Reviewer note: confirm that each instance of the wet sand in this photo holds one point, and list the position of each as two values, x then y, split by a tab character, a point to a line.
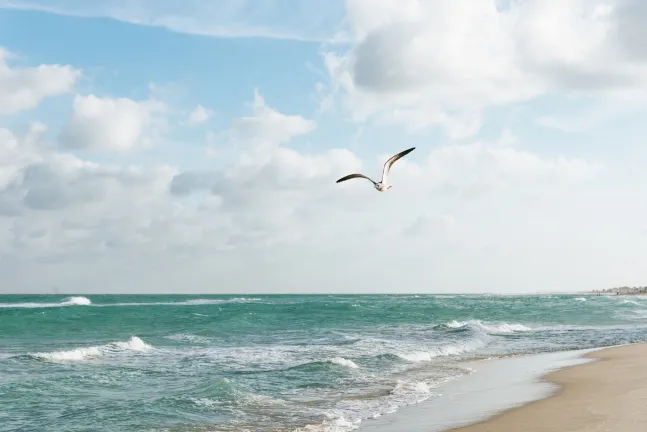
609	394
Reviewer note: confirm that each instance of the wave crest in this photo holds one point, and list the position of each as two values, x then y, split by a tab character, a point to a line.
340	361
442	351
84	301
76	300
87	353
70	301
502	327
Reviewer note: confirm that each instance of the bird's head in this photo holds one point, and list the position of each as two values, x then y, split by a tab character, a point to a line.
389	187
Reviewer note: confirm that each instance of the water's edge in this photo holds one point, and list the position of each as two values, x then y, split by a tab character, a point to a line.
292	363
494	386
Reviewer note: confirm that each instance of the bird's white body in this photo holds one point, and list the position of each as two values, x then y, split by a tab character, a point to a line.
382	185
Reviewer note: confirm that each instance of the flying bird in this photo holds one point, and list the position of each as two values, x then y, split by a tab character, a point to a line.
382	185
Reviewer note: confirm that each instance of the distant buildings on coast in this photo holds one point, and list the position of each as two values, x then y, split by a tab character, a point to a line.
625	290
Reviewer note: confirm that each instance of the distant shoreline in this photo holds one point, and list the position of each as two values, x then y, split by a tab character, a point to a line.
618	294
641	291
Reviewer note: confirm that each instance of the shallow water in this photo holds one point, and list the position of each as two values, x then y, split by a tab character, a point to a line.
267	363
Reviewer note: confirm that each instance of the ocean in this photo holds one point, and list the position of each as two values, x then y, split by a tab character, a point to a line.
326	363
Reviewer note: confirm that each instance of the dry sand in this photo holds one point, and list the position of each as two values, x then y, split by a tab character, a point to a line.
606	395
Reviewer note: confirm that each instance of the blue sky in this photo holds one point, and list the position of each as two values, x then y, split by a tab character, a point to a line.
526	140
122	59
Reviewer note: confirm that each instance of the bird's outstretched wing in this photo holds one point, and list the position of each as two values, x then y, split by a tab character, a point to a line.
391	161
352	176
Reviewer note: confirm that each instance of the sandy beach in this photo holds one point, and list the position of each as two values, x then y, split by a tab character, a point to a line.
604	395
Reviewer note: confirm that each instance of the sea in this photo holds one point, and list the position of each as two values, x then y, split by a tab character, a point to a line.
317	363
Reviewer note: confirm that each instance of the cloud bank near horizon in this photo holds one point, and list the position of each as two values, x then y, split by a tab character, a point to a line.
527	174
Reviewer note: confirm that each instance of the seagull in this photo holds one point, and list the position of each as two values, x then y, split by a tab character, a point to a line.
381	186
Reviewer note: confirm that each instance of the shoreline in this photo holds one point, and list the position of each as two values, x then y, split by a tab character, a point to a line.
494	386
603	394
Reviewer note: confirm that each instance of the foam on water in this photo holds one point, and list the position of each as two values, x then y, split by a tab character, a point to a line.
339	424
87	353
344	362
70	301
77	301
443	351
633	302
489	327
84	301
308	363
407	387
194	302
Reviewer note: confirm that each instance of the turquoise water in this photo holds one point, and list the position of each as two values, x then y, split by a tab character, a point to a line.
269	363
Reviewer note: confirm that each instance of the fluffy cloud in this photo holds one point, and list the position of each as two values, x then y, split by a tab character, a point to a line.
442	63
284	197
59	205
134	226
200	115
265	214
25	88
108	123
266	128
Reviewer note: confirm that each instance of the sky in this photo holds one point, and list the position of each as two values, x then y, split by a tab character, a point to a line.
147	147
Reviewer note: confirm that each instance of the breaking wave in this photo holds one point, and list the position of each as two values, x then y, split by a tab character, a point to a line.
502	327
340	361
633	302
70	301
87	353
195	302
84	301
443	351
242	364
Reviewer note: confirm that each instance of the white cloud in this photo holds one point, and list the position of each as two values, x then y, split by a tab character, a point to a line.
60	206
22	89
442	63
266	128
200	115
266	215
64	218
315	20
108	123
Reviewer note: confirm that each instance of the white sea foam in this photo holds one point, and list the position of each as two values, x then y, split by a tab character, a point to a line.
340	361
408	387
87	353
349	415
630	302
442	351
339	424
70	301
77	300
194	302
502	327
581	299
84	301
